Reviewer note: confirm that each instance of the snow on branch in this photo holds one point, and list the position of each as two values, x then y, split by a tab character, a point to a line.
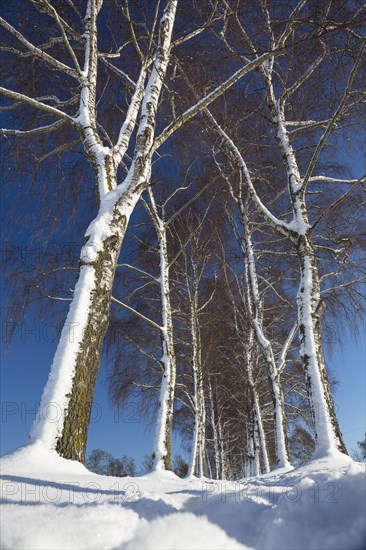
130	121
306	123
34	131
281	363
338	201
279	225
338	180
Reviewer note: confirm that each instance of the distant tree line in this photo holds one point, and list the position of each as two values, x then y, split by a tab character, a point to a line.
105	464
360	453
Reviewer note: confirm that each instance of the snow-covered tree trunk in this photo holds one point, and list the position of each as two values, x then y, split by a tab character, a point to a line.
256	463
75	367
223	462
310	315
197	459
162	447
253	469
249	345
260	436
309	303
255	308
163	437
261	432
194	444
201	462
214	428
256	317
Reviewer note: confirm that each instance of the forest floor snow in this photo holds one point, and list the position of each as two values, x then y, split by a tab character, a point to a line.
52	503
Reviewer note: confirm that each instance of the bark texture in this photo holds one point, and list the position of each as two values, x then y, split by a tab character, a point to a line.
72	441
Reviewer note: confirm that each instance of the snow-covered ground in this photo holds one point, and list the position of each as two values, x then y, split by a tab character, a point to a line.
49	502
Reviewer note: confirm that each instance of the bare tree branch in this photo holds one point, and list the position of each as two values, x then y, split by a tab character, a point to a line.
38	105
137	313
39	53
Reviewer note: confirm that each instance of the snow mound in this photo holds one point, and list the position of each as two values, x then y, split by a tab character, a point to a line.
182	531
318	506
36	458
49	502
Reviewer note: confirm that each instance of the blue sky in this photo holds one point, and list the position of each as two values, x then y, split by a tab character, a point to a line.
349	366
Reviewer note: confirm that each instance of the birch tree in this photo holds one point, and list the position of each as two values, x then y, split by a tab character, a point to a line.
256	437
163	439
162	452
195	256
254	304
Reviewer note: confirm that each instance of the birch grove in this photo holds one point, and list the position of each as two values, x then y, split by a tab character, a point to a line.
228	124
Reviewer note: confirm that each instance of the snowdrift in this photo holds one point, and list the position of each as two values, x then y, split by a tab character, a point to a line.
49	502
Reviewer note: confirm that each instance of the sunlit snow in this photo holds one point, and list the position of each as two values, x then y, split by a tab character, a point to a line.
50	502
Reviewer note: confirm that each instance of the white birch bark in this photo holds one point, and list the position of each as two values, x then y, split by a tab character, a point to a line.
309	303
163	438
261	433
255	310
197	459
162	447
222	450
260	436
214	428
162	451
